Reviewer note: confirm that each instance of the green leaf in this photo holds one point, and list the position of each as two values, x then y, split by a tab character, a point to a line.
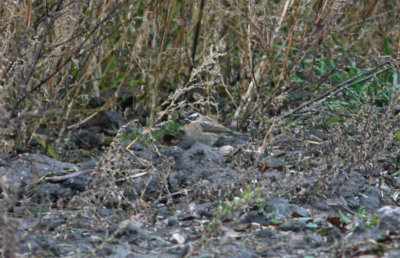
312	226
73	71
49	149
304	219
344	218
386	45
296	78
395	84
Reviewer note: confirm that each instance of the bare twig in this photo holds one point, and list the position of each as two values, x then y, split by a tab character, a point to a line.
281	121
340	87
181	192
69	59
55	179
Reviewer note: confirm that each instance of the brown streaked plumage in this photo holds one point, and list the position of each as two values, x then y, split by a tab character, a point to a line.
205	129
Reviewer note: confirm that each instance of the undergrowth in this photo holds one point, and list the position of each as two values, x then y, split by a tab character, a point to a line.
277	68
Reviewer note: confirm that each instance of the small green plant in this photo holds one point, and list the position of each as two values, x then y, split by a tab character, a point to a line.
250	199
312	226
132	135
260	203
370	221
272	216
49	148
397	140
172	128
344	218
373	223
362	213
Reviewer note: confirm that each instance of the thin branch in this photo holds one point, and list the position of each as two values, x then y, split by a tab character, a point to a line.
74	52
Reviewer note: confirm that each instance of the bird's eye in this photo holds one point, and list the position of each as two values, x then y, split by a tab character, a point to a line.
193	117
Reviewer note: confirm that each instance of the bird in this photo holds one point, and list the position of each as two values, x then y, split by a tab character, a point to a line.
206	130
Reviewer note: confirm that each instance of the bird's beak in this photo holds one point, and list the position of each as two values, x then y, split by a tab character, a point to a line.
186	121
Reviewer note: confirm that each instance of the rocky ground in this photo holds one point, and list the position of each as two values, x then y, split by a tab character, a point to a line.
305	196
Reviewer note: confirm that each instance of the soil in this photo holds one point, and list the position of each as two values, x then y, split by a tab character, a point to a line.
301	197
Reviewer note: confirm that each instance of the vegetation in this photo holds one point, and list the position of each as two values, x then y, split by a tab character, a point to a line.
241	58
280	68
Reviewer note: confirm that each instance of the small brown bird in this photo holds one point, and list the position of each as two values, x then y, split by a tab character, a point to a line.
205	129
